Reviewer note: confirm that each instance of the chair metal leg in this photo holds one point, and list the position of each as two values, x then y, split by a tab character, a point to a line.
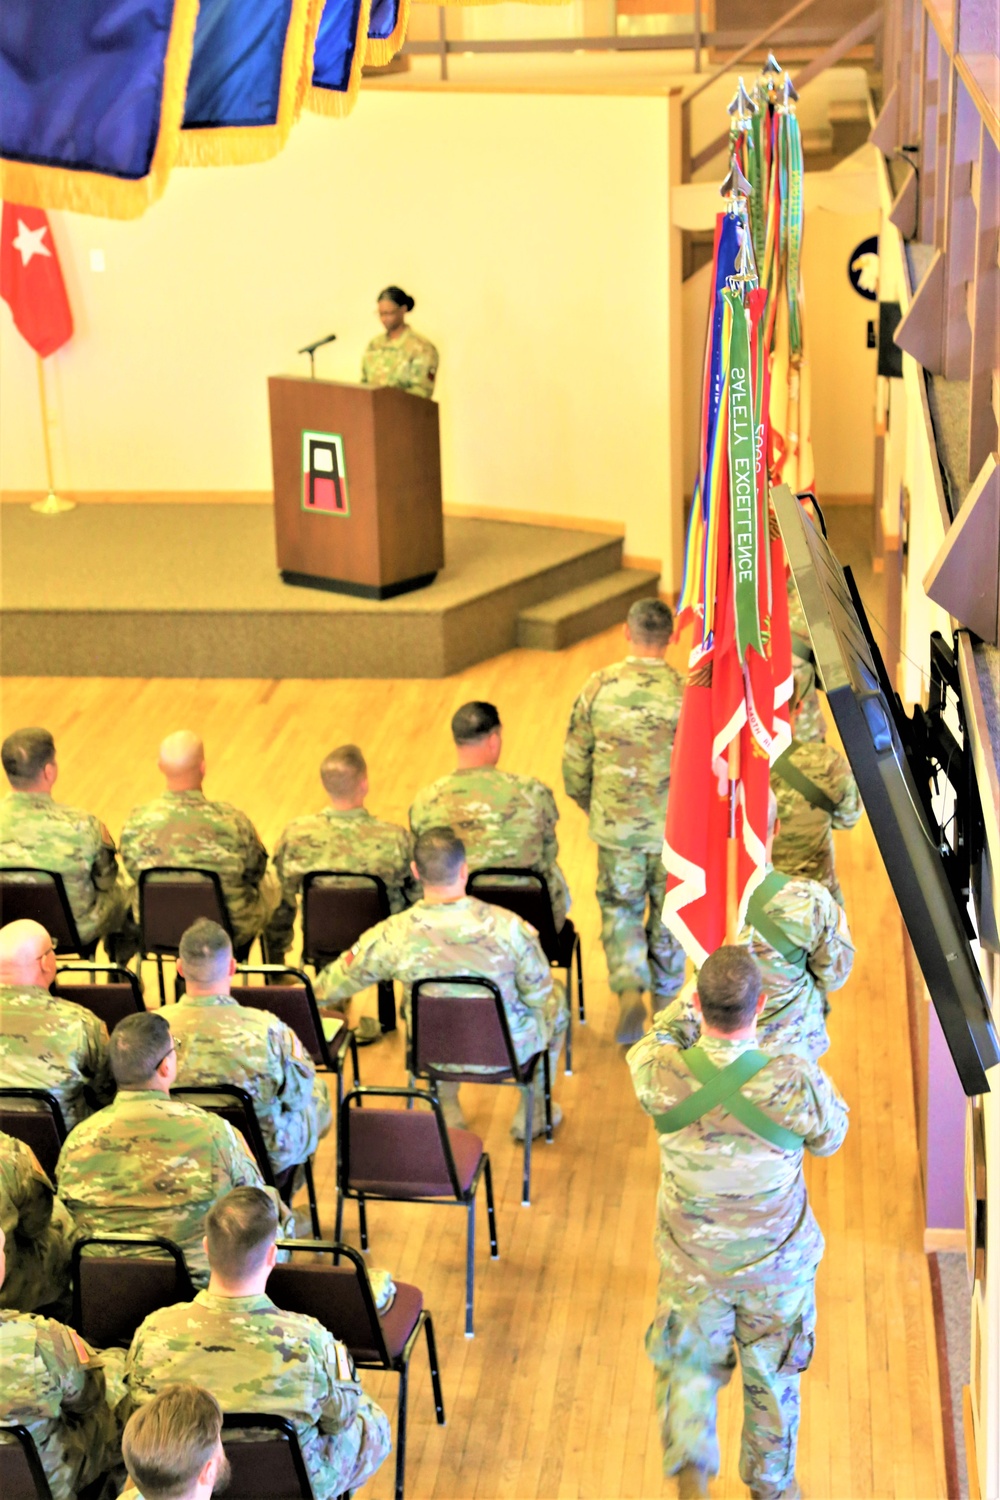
353	1049
490	1210
529	1120
579	982
432	1360
362	1223
404	1382
159	976
470	1265
338	1224
568	1062
313	1205
387	1005
547	1096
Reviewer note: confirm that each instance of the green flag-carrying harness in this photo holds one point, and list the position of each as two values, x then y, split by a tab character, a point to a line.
786	769
743	510
769	930
721	1086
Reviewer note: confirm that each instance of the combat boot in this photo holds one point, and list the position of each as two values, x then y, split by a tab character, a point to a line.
631	1017
692	1482
791	1491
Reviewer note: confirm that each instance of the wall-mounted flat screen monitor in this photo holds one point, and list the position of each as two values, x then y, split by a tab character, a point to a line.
885	760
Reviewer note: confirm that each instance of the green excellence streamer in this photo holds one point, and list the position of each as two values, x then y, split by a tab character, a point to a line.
743	481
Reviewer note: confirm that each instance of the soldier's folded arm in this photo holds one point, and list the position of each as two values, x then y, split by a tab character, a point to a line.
97	1062
831	951
849	808
578	753
533	976
364	964
340	1406
297	1072
75	1366
255	855
828	1126
35	1197
104	870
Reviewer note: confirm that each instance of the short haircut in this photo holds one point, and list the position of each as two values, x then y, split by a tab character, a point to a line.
205	951
438	854
474	721
25	755
138	1044
651	620
729	985
240	1228
342	771
168	1442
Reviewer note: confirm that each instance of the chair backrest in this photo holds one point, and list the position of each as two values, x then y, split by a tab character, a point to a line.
21	1474
118	997
40	895
38	1122
269	1470
339	1296
235	1105
465	1026
112	1294
335	915
529	899
295	1004
171	897
395	1153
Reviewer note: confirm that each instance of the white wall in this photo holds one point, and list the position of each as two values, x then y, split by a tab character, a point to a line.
533	231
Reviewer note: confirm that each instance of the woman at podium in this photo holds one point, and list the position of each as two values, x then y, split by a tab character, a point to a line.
399	356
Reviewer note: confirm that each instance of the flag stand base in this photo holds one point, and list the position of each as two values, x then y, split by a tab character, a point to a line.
52	505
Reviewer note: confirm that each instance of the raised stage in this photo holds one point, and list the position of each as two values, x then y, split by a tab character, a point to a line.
150	590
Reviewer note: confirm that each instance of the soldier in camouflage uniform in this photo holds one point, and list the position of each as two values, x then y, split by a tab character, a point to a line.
36	830
47	1043
149	1164
501	817
37	1228
172	1446
811	725
449	932
221	1041
737	1241
816	793
53	1384
254	1357
399	356
616	766
800	939
183	827
344	836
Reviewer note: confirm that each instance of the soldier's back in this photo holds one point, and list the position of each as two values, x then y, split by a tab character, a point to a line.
52	1044
808	813
354	840
36	831
501	817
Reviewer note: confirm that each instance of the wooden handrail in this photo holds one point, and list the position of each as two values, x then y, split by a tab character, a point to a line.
752	46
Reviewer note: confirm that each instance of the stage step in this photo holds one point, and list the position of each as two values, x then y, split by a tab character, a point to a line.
568	618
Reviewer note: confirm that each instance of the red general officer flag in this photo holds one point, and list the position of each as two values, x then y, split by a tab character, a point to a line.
31	280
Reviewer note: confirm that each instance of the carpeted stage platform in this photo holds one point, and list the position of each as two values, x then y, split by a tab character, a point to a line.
192	591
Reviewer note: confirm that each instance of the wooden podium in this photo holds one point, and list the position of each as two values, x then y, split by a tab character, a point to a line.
357	487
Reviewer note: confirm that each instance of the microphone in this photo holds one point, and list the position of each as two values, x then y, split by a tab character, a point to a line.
310	348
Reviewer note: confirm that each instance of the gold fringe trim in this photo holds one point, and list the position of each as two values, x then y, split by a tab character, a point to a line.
235	145
334	102
115	197
450	3
382	49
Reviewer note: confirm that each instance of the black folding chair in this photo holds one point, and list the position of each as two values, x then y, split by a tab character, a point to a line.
171	897
42	1127
270	1470
335	915
530	900
410	1156
470	1031
40	896
118	997
235	1105
112	1294
295	1004
340	1297
21	1474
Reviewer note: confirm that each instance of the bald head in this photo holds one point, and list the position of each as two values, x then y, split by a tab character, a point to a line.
26	955
182	761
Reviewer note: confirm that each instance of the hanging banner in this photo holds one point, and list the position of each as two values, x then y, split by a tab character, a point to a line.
338	56
386	31
743	506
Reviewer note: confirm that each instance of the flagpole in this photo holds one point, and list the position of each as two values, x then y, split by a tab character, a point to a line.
53	504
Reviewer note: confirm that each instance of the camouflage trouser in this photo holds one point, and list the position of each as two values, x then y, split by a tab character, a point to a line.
641	951
344	1460
690	1342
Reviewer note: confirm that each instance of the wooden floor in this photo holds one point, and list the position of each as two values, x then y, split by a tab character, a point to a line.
553	1397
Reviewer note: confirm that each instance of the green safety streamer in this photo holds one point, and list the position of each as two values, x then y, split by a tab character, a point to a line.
743	510
757	172
792	216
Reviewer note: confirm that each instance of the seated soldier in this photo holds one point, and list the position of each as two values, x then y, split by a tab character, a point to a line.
800	939
816	793
172	1446
220	1041
343	836
183	827
449	932
149	1164
502	818
257	1358
47	1043
36	830
37	1228
53	1384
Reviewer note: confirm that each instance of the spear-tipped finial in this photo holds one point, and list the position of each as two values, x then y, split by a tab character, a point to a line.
790	94
744	277
741	106
772	65
735	184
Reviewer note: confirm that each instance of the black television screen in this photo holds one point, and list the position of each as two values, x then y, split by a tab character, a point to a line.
885	757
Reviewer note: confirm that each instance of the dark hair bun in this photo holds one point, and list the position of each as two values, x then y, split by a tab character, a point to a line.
397	295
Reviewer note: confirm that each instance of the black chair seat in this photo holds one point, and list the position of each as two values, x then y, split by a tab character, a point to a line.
467	1152
398	1322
